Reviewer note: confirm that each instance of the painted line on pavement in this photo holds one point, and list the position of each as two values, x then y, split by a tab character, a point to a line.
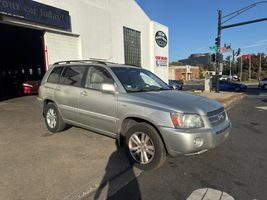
262	107
208	194
263	94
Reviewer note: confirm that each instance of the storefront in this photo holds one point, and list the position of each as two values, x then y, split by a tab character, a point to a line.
35	34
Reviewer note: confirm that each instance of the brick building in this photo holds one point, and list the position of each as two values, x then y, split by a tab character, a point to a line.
186	72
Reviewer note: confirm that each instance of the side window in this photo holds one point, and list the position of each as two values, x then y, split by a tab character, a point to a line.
72	76
54	75
96	77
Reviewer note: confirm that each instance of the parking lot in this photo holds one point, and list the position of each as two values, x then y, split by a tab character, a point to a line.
35	164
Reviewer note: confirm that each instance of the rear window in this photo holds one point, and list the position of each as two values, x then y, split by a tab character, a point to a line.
72	76
54	75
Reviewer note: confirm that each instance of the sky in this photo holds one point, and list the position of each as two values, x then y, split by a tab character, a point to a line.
193	25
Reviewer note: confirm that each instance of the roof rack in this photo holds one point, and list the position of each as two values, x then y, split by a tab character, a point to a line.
81	61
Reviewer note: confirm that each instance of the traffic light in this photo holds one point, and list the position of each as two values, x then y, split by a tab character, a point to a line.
238	52
213	57
217	41
220	57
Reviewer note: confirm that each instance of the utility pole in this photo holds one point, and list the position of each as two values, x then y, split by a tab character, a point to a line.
233	61
218	45
249	69
230	66
241	68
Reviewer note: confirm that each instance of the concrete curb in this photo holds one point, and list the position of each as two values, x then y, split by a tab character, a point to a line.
228	103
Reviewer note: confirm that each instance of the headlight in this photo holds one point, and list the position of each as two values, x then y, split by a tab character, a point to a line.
184	120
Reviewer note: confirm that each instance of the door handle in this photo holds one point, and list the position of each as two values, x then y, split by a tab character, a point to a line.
58	88
84	93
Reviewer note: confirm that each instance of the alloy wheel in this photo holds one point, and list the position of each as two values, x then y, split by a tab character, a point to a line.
51	118
141	148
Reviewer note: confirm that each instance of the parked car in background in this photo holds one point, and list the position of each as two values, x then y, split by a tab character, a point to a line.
263	83
235	78
176	85
30	87
223	77
230	86
134	106
228	78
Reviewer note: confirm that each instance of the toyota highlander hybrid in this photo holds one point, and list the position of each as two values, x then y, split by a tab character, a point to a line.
134	106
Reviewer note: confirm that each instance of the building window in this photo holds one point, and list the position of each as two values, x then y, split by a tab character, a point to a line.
132	46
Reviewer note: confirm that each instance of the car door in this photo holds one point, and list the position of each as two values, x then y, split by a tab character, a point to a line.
223	85
98	109
48	89
68	90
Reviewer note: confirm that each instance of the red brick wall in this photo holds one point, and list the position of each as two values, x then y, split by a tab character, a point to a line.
180	74
195	73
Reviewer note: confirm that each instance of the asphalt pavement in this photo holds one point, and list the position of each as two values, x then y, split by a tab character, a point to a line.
79	164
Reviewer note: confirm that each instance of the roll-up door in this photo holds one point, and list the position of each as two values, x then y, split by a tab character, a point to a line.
59	47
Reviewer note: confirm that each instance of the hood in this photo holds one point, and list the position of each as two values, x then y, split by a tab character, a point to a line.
175	101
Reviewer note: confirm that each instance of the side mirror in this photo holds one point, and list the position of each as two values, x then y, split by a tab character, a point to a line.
107	87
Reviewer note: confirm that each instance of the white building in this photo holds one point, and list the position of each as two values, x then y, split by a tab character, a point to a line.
55	30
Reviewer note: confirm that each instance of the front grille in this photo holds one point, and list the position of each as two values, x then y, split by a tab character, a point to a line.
216	117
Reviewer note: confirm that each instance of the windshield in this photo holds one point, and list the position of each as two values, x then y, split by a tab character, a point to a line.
139	80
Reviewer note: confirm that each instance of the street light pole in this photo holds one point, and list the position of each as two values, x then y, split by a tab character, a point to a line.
218	45
260	67
221	27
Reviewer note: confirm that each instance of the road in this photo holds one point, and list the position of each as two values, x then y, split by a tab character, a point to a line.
237	167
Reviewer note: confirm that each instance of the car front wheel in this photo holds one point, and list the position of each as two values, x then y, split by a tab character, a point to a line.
145	147
53	119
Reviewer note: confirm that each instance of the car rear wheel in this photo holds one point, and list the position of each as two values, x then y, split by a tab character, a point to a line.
53	119
237	89
145	147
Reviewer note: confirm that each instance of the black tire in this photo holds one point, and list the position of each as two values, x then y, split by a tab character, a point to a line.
265	87
154	140
237	89
59	124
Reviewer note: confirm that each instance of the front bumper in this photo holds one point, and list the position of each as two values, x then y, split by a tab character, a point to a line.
193	141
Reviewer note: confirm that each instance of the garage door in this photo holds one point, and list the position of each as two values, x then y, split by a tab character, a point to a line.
60	47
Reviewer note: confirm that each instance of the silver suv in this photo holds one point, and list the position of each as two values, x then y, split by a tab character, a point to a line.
134	106
263	83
